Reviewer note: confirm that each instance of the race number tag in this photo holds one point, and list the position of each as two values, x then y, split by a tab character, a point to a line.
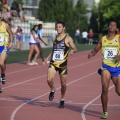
110	53
1	38
58	56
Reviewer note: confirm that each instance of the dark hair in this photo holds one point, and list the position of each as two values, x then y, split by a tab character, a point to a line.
111	21
34	28
39	26
4	20
61	22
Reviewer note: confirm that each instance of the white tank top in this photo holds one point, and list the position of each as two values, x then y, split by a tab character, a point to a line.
32	40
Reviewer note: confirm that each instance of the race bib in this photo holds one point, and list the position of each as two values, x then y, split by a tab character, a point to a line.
110	53
58	56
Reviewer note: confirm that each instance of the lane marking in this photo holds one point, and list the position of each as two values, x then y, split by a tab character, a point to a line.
67	102
20	106
43	65
44	75
89	103
24	82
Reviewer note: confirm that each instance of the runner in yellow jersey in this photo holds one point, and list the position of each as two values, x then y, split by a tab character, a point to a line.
4	27
110	68
58	60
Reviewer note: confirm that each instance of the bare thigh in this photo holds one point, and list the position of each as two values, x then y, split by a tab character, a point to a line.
51	74
116	81
105	79
2	58
32	47
37	49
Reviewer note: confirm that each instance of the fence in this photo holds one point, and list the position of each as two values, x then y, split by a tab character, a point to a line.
48	29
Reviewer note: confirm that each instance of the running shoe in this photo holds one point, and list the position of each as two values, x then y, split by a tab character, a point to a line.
104	115
43	63
0	90
51	95
61	104
48	62
34	63
30	63
3	79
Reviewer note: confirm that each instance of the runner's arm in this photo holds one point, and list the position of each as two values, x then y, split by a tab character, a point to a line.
117	57
42	40
50	55
72	45
96	49
10	36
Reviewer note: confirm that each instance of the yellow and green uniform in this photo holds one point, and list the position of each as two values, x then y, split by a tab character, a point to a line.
110	48
6	42
59	56
2	37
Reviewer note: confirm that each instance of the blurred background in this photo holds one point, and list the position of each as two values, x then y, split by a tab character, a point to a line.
77	14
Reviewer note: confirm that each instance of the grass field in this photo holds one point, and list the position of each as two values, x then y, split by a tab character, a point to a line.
18	56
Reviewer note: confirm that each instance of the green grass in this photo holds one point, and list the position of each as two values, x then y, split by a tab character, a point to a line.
18	56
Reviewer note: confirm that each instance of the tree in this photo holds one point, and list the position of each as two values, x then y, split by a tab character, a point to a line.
108	10
94	20
80	18
55	10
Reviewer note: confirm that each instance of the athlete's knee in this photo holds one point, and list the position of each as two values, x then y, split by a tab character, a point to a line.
2	63
38	52
63	85
49	80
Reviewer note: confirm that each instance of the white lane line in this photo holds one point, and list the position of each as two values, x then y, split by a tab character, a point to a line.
24	82
19	107
22	70
89	103
84	63
67	102
46	75
42	65
39	66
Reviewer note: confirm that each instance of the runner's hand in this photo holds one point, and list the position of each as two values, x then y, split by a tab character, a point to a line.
9	46
70	53
117	57
46	44
90	55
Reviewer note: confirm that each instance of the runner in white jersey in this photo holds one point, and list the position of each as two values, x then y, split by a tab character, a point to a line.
33	46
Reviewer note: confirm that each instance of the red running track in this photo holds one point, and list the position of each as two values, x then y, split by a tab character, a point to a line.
25	95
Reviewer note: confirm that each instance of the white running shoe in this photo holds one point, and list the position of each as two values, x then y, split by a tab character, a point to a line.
43	63
30	63
34	63
48	62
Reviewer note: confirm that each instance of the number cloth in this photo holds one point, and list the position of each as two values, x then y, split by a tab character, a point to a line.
110	48
59	53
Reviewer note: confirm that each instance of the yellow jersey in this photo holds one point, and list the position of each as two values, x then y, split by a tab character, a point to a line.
2	33
6	42
110	48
